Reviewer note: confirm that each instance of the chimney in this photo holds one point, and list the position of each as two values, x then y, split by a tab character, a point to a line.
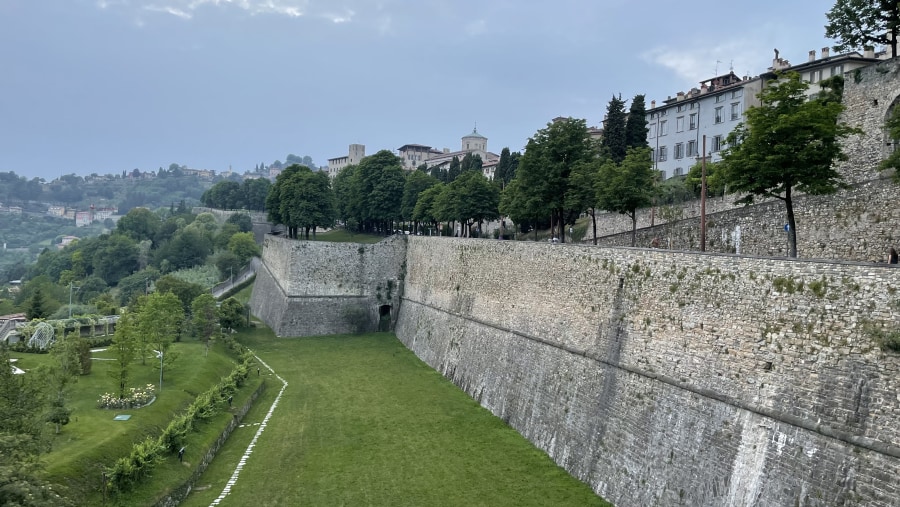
652	104
680	96
825	52
812	55
869	52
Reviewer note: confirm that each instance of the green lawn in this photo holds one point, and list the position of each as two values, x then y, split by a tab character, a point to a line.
365	422
93	440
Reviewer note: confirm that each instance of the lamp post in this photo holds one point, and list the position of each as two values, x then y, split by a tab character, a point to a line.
71	287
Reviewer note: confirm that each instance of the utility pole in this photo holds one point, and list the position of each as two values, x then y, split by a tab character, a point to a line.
703	199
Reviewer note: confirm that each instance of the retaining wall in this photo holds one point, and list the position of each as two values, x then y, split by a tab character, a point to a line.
667	378
309	288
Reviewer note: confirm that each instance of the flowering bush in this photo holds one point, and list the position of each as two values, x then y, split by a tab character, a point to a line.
136	397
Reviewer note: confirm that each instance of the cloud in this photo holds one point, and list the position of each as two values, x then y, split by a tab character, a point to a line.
169	10
703	61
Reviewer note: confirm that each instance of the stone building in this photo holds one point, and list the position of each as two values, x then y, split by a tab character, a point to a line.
355	153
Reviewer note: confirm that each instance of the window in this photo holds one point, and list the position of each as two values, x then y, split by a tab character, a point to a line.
735	111
693	121
695	105
679	171
663	130
663	112
652	154
680	108
720	97
717	144
719	114
692	149
679	151
837	70
652	131
679	124
736	94
662	153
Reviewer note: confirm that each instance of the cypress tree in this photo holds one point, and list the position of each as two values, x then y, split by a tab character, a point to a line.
614	140
636	124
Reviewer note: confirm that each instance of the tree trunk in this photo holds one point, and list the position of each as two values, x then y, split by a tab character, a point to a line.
792	225
594	221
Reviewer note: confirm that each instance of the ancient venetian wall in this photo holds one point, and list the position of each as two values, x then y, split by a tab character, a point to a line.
668	378
309	288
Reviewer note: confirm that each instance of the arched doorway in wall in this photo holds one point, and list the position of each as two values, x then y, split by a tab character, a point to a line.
891	129
384	318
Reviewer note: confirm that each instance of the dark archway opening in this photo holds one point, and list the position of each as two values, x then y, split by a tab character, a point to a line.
384	318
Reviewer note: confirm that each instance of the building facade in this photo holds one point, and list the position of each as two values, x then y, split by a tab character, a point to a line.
355	153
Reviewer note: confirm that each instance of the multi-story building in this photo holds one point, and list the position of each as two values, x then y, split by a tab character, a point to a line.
355	153
474	144
676	129
414	155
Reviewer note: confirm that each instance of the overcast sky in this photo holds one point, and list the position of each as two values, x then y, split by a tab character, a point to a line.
110	85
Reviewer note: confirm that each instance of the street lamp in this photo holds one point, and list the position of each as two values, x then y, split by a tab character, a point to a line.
71	287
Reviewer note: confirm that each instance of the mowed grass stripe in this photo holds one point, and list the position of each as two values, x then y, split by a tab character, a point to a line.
365	422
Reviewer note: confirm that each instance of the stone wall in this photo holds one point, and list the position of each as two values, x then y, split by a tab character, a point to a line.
668	378
309	288
860	224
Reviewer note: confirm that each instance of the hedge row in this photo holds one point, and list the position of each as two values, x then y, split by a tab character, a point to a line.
132	469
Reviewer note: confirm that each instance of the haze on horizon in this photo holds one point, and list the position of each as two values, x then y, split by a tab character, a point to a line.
105	86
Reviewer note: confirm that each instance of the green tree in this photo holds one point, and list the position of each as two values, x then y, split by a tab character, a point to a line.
205	318
244	246
21	475
115	258
469	199
636	124
416	183
788	143
857	24
627	186
308	202
242	220
62	372
423	212
232	314
37	307
544	171
139	224
455	169
615	140
582	192
125	345
159	322
185	291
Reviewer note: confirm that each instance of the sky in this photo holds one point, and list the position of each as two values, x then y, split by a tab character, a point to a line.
102	86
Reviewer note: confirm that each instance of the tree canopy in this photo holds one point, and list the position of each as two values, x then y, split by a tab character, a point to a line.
857	24
788	143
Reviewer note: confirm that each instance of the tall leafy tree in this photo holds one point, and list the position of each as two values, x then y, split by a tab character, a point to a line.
636	124
416	183
856	24
615	141
470	199
424	209
544	171
788	143
160	320
205	318
231	314
582	192
307	201
471	162
627	186
125	346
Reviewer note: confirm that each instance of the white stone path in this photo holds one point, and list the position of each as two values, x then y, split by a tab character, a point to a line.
234	477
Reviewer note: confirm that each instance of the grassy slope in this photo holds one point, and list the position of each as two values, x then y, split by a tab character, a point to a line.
365	422
93	439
